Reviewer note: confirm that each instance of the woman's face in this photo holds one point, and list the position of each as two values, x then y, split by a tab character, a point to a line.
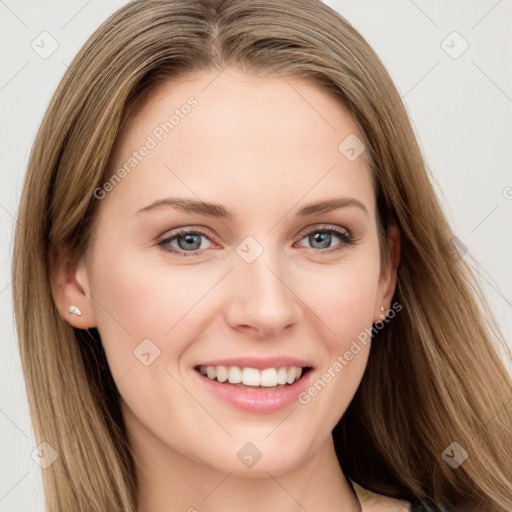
209	251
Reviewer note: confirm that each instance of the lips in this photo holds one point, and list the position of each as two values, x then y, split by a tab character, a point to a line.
255	384
258	363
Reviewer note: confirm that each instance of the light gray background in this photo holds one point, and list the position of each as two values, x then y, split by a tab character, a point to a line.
461	109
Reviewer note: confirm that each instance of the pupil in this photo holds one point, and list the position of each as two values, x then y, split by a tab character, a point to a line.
323	238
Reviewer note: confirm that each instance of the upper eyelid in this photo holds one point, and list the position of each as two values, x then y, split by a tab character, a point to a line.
326	227
172	233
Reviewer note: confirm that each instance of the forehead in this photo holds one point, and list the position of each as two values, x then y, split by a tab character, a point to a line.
246	136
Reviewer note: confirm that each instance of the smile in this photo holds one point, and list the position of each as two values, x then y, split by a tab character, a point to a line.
262	389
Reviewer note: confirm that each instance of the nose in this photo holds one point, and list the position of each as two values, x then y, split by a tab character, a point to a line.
263	302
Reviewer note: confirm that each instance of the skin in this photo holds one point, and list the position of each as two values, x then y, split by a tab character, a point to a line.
263	147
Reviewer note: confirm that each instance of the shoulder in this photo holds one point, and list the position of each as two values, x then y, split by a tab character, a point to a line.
373	502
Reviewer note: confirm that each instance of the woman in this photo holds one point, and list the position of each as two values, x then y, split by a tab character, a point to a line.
237	289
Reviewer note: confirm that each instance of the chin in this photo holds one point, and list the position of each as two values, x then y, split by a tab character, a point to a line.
258	458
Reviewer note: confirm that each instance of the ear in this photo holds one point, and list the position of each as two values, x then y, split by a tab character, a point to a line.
387	278
70	287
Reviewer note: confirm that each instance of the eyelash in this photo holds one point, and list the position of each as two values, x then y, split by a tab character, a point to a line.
345	237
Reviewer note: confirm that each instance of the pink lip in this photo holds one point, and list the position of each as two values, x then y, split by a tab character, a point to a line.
259	363
257	400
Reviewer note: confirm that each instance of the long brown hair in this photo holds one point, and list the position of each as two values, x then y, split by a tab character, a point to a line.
434	374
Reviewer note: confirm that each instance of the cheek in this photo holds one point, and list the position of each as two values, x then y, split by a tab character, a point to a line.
349	302
138	297
148	315
135	300
342	297
344	300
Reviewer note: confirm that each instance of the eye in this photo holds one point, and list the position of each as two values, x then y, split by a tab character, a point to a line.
189	242
325	238
185	241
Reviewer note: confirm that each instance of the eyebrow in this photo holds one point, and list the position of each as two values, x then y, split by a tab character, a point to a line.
218	210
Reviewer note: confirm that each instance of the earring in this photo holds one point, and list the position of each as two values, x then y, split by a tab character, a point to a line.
382	314
74	310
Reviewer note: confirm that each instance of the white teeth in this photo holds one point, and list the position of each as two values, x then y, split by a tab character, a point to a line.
251	377
290	375
281	375
234	375
269	377
222	373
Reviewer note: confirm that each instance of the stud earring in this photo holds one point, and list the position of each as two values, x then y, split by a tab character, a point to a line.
74	310
382	314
